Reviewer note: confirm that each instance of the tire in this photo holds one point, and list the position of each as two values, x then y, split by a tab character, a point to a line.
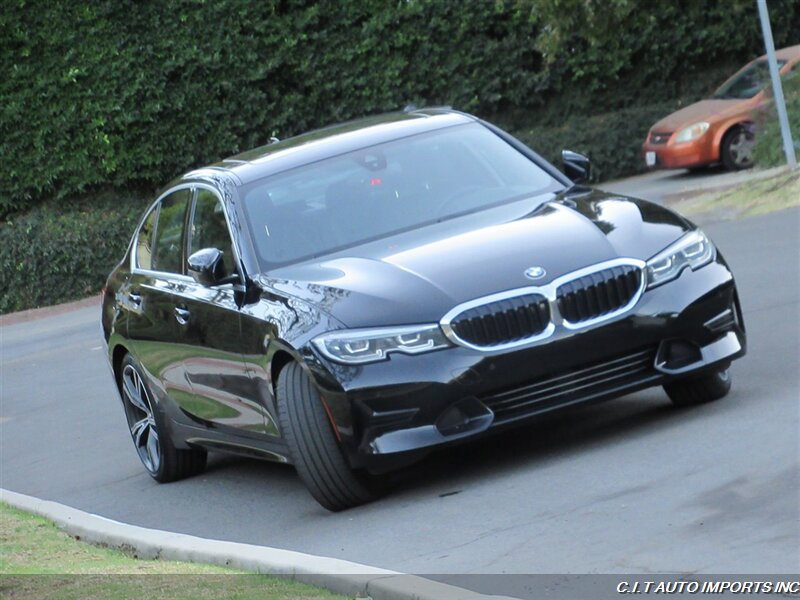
150	436
736	150
313	447
699	390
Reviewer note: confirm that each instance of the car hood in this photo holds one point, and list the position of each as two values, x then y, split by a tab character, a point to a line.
414	278
705	110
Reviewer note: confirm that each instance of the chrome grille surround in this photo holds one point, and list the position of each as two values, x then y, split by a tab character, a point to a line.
504	321
591	297
550	292
448	321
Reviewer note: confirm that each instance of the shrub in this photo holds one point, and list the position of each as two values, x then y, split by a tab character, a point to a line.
119	92
612	141
769	142
63	250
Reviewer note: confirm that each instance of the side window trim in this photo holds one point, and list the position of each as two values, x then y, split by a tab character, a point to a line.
187	242
156	206
187	222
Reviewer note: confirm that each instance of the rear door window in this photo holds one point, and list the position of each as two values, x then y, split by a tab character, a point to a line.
144	241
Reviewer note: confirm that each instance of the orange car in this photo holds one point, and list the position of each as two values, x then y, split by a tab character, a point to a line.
719	129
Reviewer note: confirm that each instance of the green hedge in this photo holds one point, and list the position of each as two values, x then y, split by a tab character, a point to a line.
116	91
125	94
61	251
613	141
122	92
769	142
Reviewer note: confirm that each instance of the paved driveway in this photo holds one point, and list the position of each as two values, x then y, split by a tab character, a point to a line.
658	186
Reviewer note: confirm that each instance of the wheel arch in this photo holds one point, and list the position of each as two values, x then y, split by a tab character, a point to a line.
739	127
280	359
726	129
285	356
117	356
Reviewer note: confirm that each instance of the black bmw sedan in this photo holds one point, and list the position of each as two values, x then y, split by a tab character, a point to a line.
349	299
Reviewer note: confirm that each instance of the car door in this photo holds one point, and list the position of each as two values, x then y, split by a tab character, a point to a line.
152	291
209	332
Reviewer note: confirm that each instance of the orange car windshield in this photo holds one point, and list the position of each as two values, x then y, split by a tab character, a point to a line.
747	83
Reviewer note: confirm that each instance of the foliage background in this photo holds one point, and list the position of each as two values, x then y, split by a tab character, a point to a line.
101	102
769	143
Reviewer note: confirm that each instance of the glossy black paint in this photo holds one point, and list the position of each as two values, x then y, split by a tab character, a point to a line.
206	266
575	229
576	166
212	353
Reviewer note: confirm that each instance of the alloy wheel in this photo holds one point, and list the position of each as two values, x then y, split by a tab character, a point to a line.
741	149
141	421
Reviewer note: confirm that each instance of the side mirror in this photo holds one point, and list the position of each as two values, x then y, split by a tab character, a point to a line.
207	267
576	166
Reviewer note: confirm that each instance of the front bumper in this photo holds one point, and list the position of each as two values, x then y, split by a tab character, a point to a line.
388	413
678	156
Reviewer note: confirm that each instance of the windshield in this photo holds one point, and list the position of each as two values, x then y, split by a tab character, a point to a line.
385	189
747	83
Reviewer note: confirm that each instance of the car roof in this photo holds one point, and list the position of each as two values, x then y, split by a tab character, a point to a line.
332	141
790	53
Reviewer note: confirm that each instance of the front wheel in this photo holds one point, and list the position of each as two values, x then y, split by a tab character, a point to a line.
313	447
737	149
701	389
151	439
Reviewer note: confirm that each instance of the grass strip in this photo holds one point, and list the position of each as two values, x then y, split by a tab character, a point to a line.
751	198
40	561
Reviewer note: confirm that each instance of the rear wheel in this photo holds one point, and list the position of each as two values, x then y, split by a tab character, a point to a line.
313	447
737	149
699	390
151	439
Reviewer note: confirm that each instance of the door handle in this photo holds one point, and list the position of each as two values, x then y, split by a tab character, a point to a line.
135	299
182	315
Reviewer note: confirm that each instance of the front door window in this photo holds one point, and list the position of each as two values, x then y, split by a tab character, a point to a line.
168	247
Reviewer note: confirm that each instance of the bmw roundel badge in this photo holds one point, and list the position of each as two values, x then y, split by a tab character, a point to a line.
535	273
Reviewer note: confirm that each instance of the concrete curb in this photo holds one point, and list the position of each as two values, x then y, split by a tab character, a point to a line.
340	576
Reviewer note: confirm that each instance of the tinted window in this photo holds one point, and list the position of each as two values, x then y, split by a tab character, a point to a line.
387	188
144	241
168	247
747	83
209	228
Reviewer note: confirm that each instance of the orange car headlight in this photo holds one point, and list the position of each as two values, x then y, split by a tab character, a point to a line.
692	132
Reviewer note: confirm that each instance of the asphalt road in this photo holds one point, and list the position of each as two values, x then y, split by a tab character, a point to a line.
657	186
630	486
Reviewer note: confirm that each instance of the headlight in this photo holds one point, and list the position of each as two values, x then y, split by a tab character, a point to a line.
692	132
693	250
356	346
